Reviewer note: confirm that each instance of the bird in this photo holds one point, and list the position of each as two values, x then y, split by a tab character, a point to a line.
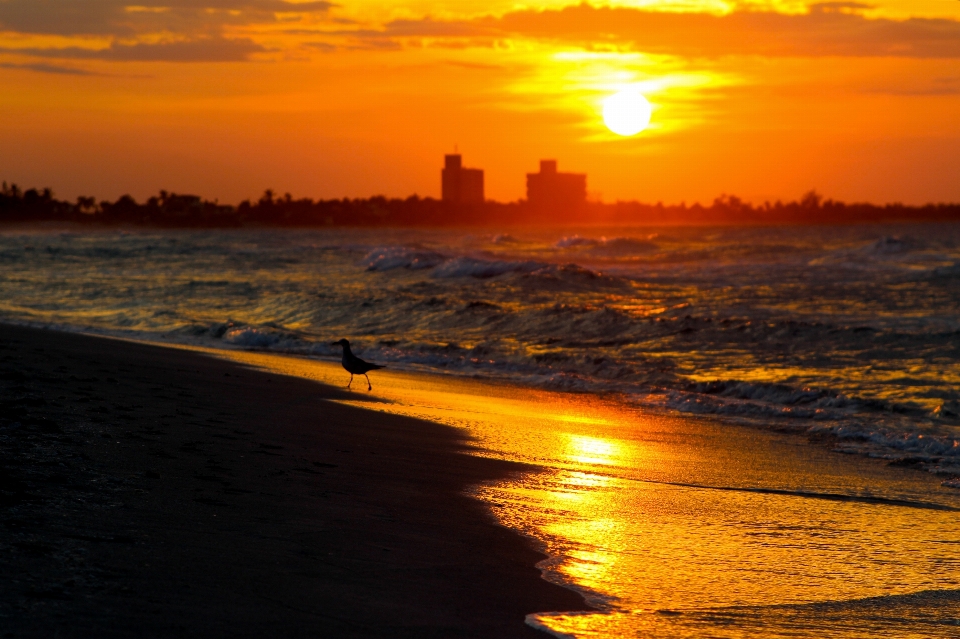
355	365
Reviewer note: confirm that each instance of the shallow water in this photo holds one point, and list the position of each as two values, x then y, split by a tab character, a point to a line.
686	527
851	332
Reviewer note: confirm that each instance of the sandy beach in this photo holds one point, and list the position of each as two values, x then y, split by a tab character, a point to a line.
179	490
157	492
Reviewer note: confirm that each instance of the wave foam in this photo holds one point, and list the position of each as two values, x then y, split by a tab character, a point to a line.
893	245
482	269
251	337
392	257
609	247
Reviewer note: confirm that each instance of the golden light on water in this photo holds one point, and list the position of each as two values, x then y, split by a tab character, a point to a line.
652	514
592	450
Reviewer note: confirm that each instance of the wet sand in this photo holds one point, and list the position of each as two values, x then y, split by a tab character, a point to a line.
681	527
155	492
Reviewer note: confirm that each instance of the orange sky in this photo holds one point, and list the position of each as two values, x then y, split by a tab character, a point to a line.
224	98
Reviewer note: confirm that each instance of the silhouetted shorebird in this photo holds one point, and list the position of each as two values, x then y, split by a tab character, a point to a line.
355	365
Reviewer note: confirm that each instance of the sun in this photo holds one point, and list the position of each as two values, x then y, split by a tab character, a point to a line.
626	112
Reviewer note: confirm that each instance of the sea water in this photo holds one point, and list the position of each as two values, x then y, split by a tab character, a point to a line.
849	335
850	332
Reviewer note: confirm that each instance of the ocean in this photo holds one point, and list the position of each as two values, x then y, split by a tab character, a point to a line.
851	332
848	336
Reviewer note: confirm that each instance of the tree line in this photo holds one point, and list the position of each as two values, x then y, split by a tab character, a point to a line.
183	211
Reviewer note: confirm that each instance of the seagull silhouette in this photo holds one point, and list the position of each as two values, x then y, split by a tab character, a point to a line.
355	365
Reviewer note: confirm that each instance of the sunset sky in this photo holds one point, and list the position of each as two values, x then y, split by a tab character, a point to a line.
224	98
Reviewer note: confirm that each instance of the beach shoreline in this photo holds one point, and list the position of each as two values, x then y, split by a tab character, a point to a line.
154	491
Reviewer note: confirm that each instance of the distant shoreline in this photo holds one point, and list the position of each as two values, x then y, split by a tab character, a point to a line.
171	210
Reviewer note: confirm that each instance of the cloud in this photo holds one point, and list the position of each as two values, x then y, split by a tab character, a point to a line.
429	27
41	67
325	47
479	66
839	6
265	6
200	50
829	29
125	18
837	28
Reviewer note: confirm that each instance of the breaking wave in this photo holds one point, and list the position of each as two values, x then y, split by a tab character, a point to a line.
388	258
610	247
848	334
482	269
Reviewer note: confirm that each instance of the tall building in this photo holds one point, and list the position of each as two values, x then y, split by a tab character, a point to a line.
461	185
551	190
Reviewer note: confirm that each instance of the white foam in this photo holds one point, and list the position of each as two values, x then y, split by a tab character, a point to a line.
392	257
575	241
251	337
533	622
610	247
478	268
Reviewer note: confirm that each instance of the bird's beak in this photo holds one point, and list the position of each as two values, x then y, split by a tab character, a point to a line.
334	343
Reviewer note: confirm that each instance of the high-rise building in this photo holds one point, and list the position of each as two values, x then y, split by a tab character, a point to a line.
461	185
551	190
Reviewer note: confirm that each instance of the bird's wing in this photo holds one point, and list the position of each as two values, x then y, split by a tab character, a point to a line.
367	365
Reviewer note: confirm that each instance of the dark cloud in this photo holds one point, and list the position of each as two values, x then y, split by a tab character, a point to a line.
430	27
201	50
374	44
265	6
818	33
479	66
41	67
325	47
63	17
829	29
112	17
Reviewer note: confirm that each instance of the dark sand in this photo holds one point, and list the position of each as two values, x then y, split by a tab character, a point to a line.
148	492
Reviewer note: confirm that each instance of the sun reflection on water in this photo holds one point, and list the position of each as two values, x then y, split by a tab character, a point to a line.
659	521
592	450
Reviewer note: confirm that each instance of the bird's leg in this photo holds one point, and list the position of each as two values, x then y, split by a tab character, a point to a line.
351	380
369	385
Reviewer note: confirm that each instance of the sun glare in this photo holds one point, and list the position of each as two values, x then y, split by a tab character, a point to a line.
627	112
